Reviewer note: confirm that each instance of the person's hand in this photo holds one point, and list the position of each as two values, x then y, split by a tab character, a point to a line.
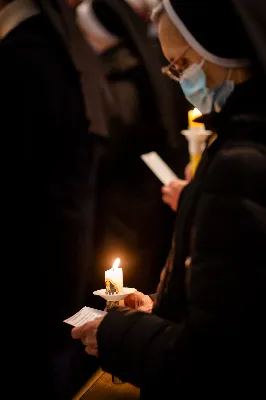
139	301
172	191
87	333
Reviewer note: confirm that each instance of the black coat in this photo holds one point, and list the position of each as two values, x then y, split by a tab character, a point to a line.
208	337
50	159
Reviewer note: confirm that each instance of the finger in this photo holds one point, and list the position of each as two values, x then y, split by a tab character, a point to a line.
130	301
174	206
84	330
147	309
133	300
136	303
166	189
168	197
166	200
91	351
172	184
77	333
138	300
89	341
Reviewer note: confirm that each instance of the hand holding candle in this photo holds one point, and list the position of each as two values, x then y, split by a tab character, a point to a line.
114	279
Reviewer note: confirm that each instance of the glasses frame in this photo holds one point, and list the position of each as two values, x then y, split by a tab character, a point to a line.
170	69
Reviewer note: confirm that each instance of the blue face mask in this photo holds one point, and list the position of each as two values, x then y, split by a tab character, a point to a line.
193	84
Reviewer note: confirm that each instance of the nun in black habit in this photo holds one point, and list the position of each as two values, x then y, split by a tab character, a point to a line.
206	335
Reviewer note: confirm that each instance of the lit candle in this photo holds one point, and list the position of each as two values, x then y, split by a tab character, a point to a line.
193	114
114	278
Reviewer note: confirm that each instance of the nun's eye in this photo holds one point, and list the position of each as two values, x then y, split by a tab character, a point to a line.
182	64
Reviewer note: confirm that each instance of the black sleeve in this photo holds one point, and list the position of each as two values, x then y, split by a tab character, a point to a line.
227	292
152	296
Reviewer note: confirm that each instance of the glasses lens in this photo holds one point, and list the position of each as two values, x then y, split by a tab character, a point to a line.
173	71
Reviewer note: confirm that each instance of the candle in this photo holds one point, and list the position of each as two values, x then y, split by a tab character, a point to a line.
114	278
193	114
196	144
194	160
195	150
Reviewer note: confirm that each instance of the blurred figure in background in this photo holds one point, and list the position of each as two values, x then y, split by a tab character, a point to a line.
172	192
133	222
53	115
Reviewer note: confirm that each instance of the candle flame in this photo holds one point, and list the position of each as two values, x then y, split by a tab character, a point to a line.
197	112
116	263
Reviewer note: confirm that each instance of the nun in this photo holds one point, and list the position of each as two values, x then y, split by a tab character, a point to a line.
133	222
206	337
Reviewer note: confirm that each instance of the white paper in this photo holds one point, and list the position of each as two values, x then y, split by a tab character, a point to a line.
159	167
86	314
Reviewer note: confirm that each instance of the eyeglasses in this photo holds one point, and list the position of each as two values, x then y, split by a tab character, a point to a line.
176	67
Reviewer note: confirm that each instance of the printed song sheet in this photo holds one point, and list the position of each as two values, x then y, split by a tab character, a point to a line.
86	314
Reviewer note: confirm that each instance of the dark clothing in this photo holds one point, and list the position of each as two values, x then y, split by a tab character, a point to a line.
171	107
134	224
93	85
253	13
213	331
51	159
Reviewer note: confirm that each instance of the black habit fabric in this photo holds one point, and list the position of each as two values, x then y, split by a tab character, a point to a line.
50	164
253	14
209	337
97	99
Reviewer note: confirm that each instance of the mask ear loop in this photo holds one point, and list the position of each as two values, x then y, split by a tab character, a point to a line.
228	79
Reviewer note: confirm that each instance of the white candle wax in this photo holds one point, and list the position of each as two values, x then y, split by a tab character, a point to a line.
114	277
195	145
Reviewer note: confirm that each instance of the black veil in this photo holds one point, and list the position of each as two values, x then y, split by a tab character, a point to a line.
253	16
97	97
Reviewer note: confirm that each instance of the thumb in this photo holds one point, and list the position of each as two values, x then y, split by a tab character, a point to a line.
76	333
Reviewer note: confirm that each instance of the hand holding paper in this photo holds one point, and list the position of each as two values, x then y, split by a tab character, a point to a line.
159	167
171	193
87	333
